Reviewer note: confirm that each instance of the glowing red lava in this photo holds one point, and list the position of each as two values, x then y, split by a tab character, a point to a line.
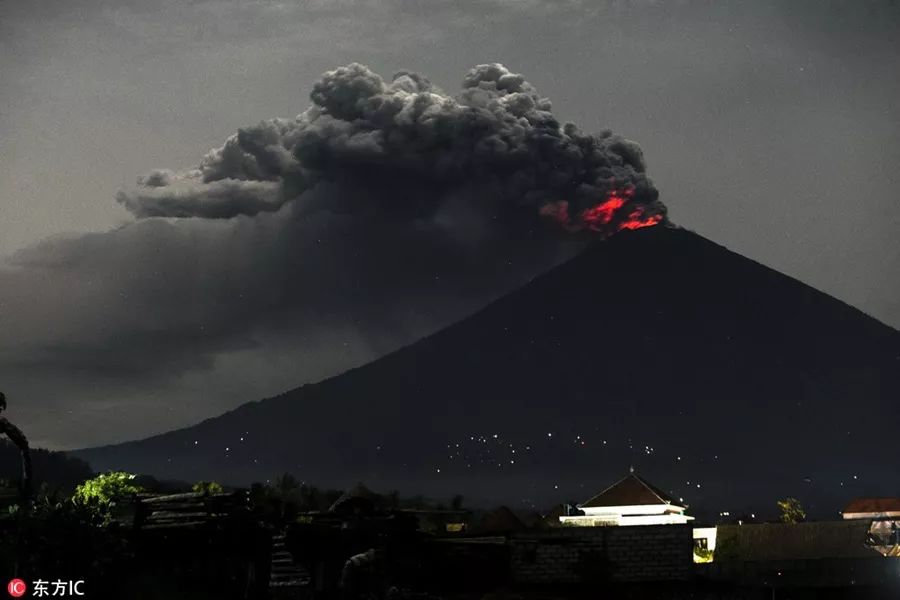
599	217
603	213
635	221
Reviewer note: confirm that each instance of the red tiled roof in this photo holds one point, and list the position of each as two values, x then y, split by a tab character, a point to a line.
629	491
873	505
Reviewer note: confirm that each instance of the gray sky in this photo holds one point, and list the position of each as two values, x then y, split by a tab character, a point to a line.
770	127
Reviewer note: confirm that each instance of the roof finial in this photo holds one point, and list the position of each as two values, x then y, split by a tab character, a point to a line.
631	469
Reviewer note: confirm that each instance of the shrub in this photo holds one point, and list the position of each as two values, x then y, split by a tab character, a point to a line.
791	510
102	492
207	487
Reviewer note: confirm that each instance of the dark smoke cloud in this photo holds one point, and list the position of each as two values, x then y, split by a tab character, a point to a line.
497	133
300	248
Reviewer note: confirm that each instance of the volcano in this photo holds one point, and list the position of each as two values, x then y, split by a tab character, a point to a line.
726	383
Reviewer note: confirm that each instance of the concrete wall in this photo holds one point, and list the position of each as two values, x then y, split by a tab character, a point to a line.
619	554
824	553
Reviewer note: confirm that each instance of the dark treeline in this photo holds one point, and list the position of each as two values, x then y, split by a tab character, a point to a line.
59	473
287	498
56	470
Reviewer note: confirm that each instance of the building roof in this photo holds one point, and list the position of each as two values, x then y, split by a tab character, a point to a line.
873	505
631	490
501	519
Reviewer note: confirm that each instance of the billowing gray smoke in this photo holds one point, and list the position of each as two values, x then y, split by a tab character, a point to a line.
304	247
415	144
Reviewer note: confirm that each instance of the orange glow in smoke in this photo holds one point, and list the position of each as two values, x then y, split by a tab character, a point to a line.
599	217
635	221
603	213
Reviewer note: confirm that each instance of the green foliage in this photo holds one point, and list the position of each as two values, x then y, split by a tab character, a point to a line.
56	535
703	555
101	492
207	487
285	498
791	511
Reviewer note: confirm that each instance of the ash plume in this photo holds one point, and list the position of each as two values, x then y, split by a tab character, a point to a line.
304	247
497	135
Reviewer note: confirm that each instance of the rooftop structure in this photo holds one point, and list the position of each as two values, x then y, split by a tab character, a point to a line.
872	508
629	501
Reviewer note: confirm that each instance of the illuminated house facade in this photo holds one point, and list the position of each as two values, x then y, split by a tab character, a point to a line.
884	516
873	508
629	501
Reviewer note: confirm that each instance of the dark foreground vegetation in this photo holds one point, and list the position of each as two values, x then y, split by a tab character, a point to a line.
137	537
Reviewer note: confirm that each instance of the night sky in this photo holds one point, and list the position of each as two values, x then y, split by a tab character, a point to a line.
156	271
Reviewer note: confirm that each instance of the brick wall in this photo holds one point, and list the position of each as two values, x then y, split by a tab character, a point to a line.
621	554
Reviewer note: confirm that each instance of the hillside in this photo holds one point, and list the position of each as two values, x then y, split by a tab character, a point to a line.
721	380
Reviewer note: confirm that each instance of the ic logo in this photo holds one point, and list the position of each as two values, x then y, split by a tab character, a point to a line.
17	588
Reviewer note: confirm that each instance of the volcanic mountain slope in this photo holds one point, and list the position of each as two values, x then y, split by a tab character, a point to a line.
722	381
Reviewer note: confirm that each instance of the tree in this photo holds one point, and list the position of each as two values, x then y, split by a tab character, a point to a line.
791	511
104	490
18	438
456	502
57	470
286	485
310	498
67	539
207	487
280	501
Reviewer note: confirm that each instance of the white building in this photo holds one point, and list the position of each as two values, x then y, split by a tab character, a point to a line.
629	501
